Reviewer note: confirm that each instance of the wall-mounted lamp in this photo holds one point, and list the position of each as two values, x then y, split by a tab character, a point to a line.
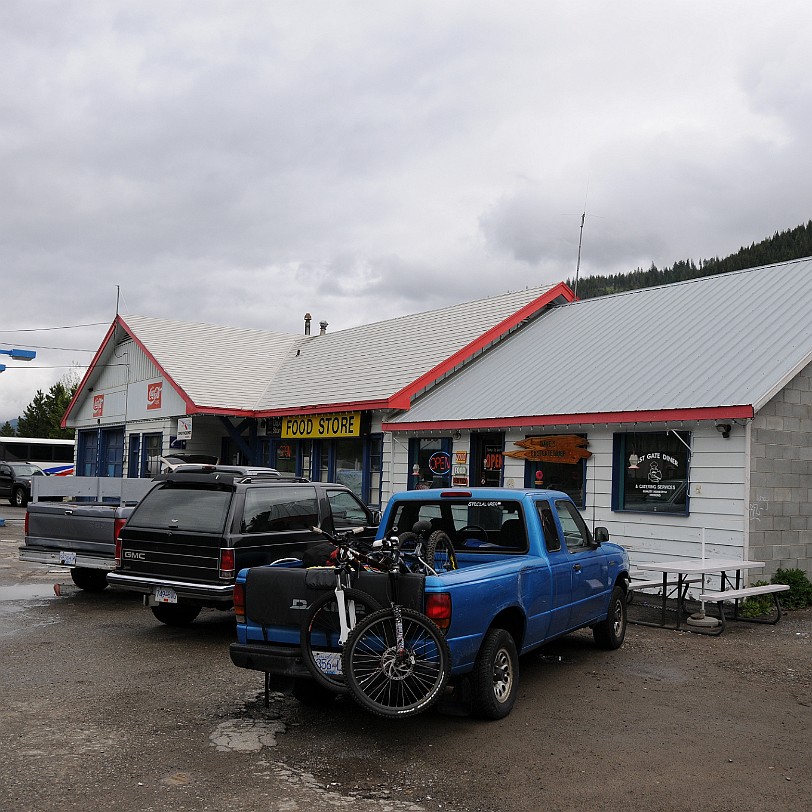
457	435
724	429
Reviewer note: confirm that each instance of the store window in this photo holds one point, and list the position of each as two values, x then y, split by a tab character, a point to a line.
145	455
565	472
651	471
429	462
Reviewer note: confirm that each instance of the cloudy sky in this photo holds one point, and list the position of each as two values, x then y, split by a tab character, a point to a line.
244	162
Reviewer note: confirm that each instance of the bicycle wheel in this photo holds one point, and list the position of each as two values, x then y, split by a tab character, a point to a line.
440	553
391	683
321	649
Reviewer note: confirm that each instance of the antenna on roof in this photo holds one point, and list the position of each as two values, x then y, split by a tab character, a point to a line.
578	264
118	294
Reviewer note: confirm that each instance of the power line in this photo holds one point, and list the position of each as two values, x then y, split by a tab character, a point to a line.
65	327
41	347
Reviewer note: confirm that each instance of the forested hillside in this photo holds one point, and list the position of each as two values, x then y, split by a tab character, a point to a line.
782	246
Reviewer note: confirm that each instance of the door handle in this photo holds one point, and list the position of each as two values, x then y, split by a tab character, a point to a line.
577	567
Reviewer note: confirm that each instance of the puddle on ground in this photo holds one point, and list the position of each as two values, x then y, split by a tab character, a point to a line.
26	592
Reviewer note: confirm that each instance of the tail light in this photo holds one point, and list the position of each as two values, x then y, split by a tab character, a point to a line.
227	562
118	552
119	523
25	523
239	602
438	609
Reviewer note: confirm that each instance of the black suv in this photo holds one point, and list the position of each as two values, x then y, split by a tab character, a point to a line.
187	539
15	481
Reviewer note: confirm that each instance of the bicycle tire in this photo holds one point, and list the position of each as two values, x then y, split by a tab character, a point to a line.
322	627
440	554
391	685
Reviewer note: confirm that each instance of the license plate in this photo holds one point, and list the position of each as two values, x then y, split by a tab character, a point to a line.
68	559
328	662
163	594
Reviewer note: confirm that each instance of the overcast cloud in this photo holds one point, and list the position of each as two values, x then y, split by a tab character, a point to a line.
245	162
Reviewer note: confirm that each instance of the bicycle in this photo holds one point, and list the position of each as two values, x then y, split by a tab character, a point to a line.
330	618
395	662
431	549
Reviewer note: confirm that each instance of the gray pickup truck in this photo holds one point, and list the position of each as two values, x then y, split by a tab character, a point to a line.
79	533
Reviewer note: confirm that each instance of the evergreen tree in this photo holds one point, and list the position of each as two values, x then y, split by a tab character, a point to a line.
43	415
6	430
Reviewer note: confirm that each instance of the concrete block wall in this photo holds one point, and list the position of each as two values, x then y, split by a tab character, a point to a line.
780	508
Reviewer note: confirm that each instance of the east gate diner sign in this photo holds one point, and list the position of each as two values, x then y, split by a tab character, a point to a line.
566	448
321	426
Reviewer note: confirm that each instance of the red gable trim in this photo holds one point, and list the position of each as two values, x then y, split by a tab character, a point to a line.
402	399
191	408
87	374
651	416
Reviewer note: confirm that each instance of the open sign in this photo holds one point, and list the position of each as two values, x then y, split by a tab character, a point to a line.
440	463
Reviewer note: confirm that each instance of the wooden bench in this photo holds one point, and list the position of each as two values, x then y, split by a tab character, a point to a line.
640	582
735	595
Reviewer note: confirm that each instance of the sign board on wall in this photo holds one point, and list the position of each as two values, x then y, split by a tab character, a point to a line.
184	428
322	426
566	448
98	405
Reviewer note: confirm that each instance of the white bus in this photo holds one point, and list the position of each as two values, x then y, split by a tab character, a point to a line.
55	457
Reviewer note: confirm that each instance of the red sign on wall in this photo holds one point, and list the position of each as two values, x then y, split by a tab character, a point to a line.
98	405
154	395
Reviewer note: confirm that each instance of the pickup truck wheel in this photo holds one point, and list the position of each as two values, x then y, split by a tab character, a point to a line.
309	692
495	678
89	580
321	629
19	498
609	633
175	614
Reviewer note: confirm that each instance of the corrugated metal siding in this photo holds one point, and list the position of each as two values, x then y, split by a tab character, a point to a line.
732	339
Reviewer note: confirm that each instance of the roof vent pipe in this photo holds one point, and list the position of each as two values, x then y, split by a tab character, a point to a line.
307	323
323	326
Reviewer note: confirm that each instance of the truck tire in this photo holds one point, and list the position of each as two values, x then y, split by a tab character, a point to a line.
19	498
495	679
175	614
88	579
609	633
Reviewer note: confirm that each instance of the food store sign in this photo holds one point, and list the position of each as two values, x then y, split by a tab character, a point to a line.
319	426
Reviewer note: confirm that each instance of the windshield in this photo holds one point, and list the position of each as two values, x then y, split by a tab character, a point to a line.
199	509
24	469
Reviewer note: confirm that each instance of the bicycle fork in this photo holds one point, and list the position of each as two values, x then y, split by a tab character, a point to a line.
346	614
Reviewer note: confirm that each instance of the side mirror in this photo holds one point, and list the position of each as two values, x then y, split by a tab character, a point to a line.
601	535
376	517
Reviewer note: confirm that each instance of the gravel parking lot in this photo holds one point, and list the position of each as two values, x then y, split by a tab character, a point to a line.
104	707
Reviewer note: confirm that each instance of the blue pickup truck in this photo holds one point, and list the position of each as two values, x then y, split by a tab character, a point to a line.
529	570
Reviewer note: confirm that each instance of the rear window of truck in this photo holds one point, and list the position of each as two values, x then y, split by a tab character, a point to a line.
202	510
490	525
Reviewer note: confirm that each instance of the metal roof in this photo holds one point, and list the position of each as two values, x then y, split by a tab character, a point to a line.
722	341
232	370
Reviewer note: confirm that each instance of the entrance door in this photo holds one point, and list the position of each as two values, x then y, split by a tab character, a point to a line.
487	451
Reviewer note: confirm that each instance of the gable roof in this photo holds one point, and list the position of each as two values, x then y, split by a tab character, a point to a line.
714	347
227	370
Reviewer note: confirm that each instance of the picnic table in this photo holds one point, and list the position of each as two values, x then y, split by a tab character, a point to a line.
678	574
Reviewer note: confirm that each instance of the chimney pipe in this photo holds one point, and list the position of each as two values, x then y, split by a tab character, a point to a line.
323	326
307	323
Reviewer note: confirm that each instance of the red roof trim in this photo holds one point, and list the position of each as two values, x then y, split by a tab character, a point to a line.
402	399
190	405
325	408
87	374
650	416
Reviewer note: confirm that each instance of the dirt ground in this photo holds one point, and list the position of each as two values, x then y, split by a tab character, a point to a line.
104	707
